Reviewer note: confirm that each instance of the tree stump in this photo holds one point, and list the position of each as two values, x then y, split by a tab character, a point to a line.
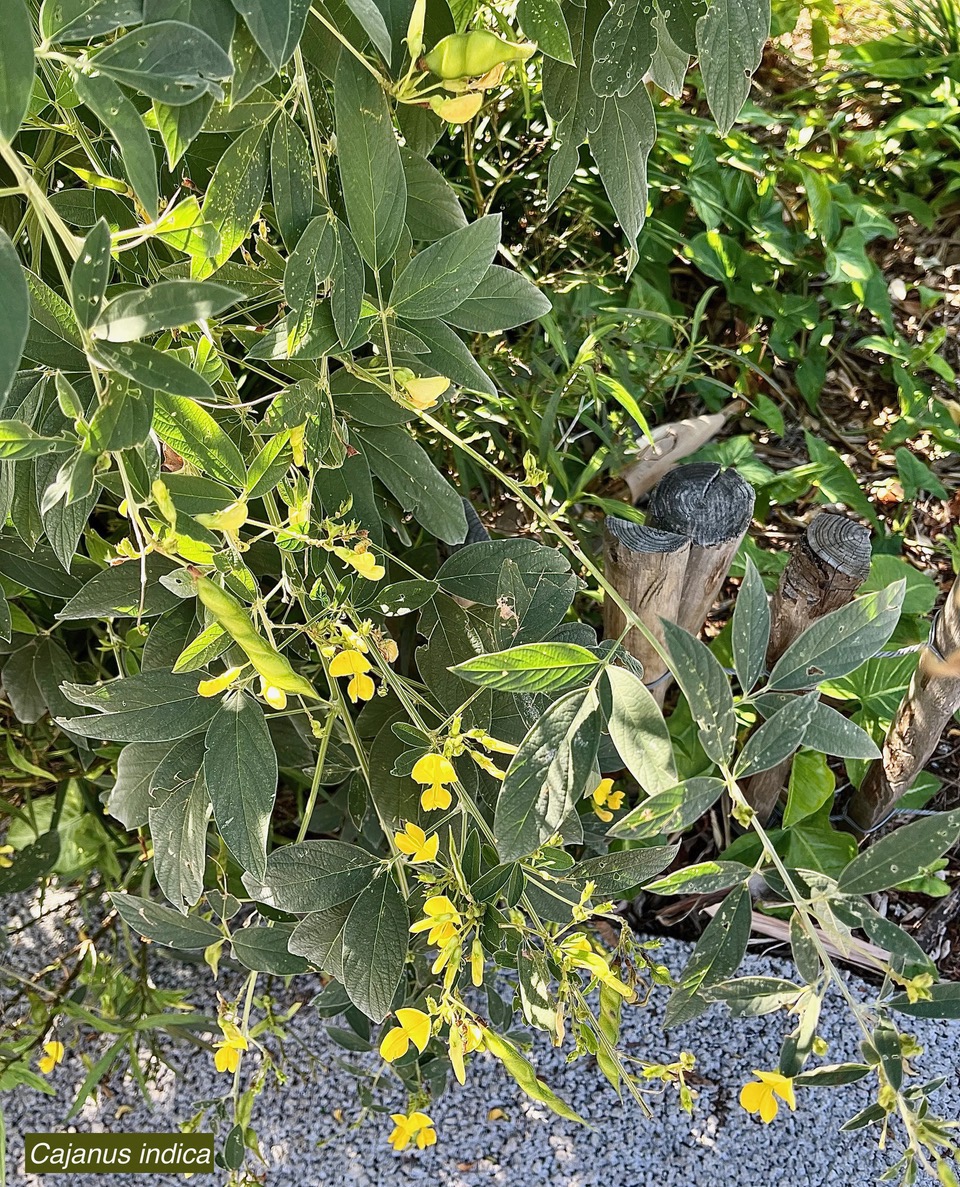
712	508
931	700
646	567
829	565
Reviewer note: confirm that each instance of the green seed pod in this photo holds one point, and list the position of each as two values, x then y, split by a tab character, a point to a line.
470	55
275	668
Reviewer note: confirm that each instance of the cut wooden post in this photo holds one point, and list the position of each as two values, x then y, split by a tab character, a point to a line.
712	508
646	567
931	700
826	569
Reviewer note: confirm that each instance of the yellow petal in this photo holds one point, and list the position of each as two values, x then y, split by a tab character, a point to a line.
361	688
433	768
349	663
394	1044
751	1096
457	110
416	1024
217	684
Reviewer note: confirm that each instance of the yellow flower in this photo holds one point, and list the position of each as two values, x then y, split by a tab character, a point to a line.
423	393
414	1028
434	770
5	862
458	110
226	1056
464	1038
604	797
362	560
415	842
581	954
276	698
356	666
230	519
53	1054
441	920
412	1127
217	684
762	1098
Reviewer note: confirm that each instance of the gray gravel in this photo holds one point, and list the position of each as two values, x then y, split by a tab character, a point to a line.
305	1142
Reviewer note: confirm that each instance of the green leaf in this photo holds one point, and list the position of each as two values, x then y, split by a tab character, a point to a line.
16	75
668	68
196	436
730	40
153	368
716	956
705	877
129	798
623	48
639	732
448	355
547	775
276	25
502	300
91	274
406	470
312	876
669	811
840	641
31	864
443	275
169	61
370	17
264	950
178	828
151	707
375	947
705	685
750	630
164	925
618	872
291	177
80	20
812	784
915	476
813	845
473	572
15	301
533	667
777	738
162	306
240	769
749	997
543	22
620	146
832	733
901	854
125	590
944	1002
433	208
18	442
233	198
681	22
319	939
374	189
312	260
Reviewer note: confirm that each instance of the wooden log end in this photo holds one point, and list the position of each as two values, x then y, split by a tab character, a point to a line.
840	543
702	501
637	537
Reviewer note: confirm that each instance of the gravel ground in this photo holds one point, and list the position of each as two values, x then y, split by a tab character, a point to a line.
312	1130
